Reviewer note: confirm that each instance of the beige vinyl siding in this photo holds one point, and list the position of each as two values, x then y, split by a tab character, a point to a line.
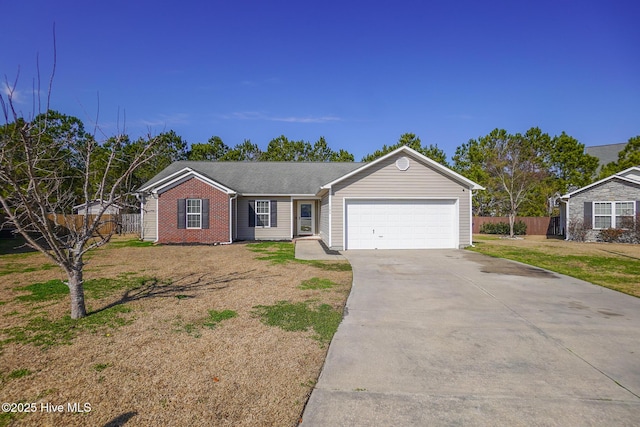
281	232
150	218
324	219
384	180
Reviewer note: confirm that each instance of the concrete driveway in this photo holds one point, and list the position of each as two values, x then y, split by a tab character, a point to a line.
451	337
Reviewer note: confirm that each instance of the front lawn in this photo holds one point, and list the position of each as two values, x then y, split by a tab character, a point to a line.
614	266
177	335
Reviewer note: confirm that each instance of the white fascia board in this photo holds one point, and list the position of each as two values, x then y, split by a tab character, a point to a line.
167	178
181	174
472	185
632	168
194	174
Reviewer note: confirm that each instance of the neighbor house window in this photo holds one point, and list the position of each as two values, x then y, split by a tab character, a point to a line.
625	214
194	213
263	213
613	214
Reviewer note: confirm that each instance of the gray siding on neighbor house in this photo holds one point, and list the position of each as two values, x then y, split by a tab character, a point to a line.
610	191
323	232
384	180
150	218
281	232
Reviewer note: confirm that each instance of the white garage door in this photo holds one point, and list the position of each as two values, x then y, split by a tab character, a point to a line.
400	224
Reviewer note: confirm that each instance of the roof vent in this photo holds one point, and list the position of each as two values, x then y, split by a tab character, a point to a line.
402	163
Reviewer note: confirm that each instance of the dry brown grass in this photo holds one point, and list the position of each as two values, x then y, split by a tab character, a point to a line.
152	371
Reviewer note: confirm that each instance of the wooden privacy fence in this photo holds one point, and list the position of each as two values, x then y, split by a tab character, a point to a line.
116	224
536	225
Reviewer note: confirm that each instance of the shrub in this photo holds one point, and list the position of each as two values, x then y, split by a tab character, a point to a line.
629	232
577	230
519	228
610	235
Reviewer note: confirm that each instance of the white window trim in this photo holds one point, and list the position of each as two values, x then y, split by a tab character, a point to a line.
268	214
613	212
198	214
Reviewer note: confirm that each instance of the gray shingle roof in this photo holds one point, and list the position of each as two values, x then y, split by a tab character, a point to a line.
267	178
605	153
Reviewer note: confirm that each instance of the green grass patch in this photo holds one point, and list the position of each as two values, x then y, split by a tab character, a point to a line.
94	288
216	317
324	320
19	373
17	268
317	283
46	291
611	271
276	252
283	252
211	321
188	328
99	367
44	332
132	243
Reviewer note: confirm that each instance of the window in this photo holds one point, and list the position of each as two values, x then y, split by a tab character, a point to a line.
625	214
613	214
194	213
601	214
263	213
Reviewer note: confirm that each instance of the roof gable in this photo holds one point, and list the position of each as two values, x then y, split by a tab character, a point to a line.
631	175
435	165
180	176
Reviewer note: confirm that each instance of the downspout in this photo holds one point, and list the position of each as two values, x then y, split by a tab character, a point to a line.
140	199
330	224
232	224
155	194
566	220
470	218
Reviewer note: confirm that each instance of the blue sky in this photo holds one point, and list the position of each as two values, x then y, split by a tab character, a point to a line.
359	73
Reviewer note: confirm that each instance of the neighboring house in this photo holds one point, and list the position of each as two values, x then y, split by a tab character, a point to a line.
604	204
605	153
400	200
94	207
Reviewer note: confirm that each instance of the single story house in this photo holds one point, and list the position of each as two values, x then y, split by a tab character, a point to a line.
94	206
400	200
607	203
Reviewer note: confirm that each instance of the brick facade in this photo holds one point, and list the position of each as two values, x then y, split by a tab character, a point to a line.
218	231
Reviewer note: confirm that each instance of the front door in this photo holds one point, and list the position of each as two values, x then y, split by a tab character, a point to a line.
306	222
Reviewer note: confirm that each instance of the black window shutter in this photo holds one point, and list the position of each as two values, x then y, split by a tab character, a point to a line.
182	213
588	213
637	208
274	213
205	213
252	213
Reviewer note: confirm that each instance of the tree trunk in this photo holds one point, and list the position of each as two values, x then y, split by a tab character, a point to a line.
76	290
512	220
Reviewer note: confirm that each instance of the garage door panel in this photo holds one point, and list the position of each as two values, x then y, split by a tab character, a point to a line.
400	224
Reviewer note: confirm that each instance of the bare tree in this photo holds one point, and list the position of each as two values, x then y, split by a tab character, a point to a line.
514	165
44	173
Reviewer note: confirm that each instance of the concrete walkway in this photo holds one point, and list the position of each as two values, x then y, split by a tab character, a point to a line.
453	338
313	249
